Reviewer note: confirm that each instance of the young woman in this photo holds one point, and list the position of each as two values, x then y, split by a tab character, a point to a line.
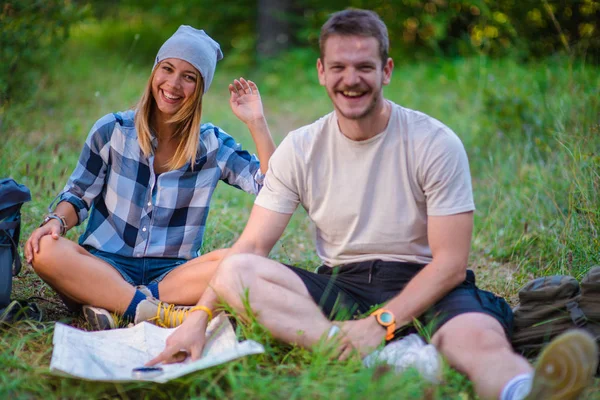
145	178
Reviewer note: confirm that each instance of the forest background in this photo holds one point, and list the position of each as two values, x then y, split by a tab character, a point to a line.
518	81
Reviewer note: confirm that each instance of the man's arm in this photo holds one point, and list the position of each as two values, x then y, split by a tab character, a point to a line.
262	231
450	242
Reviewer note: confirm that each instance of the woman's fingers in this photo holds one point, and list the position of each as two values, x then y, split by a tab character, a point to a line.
55	232
28	256
245	85
233	91
35	241
236	86
242	86
253	87
239	87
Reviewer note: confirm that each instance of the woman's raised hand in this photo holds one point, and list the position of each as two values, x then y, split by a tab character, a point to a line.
247	106
245	101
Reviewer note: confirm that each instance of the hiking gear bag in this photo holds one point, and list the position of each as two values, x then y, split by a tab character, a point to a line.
551	305
19	310
12	197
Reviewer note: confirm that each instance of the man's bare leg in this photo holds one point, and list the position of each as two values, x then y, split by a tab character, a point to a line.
277	296
475	344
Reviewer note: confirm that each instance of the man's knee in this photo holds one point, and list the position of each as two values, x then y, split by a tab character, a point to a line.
236	273
474	331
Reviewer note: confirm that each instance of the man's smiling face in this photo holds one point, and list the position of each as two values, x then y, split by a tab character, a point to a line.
353	74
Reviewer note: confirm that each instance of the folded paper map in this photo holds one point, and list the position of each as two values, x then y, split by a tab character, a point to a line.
112	355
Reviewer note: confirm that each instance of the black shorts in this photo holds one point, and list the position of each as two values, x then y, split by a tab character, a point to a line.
358	288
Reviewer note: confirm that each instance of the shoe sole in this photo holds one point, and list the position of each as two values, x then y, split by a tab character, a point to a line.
565	367
98	321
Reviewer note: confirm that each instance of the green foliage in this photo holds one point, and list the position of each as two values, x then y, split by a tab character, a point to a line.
549	26
151	22
463	27
418	28
32	32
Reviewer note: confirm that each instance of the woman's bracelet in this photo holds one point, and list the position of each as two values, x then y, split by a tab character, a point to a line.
59	218
202	308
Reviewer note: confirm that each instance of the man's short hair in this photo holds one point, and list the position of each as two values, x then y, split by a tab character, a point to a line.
356	22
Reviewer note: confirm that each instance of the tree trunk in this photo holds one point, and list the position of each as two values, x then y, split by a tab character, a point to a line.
273	27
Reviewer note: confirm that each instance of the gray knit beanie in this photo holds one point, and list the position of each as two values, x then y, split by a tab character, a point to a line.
194	46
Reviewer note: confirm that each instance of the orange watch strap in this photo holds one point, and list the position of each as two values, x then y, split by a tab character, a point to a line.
389	326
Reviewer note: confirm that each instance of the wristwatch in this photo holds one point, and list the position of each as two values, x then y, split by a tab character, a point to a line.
386	319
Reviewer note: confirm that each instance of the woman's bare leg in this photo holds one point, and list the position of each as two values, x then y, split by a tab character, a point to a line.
186	283
78	275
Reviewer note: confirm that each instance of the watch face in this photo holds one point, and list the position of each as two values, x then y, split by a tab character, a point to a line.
386	317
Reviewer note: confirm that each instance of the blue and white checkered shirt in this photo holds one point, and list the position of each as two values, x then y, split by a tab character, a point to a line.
133	212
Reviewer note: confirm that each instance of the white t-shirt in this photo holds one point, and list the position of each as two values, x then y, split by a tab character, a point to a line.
370	199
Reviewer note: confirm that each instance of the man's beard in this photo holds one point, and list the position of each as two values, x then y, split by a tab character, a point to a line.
362	114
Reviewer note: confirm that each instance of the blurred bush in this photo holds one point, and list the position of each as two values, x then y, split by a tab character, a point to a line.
30	37
151	22
418	28
527	28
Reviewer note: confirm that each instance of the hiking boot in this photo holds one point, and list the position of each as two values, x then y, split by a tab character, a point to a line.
99	318
162	314
410	351
565	367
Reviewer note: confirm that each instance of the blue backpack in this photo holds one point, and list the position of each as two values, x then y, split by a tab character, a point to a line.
12	197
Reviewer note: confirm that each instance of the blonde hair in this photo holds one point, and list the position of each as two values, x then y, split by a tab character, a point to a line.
187	120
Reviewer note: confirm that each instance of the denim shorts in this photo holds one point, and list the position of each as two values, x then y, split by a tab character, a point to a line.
139	271
354	289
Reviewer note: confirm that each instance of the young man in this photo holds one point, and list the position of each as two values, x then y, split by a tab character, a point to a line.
389	191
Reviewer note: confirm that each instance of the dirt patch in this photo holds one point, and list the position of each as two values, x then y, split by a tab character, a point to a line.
497	277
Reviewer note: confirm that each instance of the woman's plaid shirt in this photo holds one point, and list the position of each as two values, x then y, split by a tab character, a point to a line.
135	213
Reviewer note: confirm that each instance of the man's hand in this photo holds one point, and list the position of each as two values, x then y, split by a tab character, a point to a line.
363	335
188	339
245	101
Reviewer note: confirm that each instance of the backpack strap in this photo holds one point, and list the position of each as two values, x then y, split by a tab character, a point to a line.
577	315
9	225
15	249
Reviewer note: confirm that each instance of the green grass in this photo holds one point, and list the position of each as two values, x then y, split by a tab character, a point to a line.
531	132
